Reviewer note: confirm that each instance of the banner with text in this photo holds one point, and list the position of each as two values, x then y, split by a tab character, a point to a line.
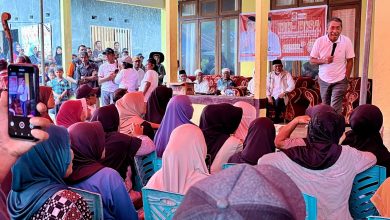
292	32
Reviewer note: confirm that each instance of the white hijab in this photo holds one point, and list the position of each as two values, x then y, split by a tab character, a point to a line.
248	115
130	107
183	161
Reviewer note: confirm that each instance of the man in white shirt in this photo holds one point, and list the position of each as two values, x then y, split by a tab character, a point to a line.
201	85
279	83
334	54
137	67
150	80
107	73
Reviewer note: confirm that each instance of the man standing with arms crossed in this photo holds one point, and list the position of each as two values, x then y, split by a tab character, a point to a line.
334	54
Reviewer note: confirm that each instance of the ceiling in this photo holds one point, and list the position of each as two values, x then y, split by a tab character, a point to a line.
143	3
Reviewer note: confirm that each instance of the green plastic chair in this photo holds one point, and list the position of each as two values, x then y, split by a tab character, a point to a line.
160	204
364	186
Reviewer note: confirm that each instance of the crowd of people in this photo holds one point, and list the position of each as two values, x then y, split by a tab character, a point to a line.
92	147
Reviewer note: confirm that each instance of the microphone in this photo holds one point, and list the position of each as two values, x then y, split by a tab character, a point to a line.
333	49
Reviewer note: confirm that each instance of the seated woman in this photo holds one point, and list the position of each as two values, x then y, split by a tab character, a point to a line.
87	142
70	112
179	112
183	161
366	122
130	110
38	189
157	104
244	192
46	97
218	122
258	142
317	164
120	148
248	115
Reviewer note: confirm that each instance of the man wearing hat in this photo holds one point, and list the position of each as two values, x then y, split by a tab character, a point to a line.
141	57
159	57
137	65
279	83
88	97
107	73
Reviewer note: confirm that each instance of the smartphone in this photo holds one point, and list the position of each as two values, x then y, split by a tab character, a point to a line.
23	95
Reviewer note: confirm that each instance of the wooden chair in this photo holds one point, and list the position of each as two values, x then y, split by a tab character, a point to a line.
94	201
364	186
160	204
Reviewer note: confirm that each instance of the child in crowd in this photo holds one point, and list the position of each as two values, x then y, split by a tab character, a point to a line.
60	87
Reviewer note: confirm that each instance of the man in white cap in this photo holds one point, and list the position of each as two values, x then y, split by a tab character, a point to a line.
201	85
225	82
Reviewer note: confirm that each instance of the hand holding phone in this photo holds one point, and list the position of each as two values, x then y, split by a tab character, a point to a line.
23	95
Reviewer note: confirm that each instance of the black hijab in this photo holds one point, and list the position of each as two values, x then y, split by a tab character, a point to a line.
218	122
157	104
366	122
259	141
323	134
120	148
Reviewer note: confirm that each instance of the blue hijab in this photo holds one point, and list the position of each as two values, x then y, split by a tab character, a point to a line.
179	111
39	173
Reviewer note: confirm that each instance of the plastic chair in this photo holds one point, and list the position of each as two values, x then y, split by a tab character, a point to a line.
160	204
376	218
94	201
311	206
227	165
144	169
157	163
364	186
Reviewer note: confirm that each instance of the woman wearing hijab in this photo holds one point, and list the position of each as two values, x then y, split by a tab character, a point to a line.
157	104
46	97
317	164
179	111
218	122
120	148
366	122
58	56
87	142
131	108
248	115
183	162
258	142
70	113
38	188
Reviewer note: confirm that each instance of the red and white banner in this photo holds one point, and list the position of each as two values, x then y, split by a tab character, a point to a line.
297	30
291	33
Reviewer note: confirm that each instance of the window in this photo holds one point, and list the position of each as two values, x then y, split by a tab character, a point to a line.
209	38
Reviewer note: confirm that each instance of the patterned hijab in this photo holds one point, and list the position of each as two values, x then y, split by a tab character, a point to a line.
120	148
157	104
44	96
259	141
70	113
87	142
179	111
38	174
130	107
218	122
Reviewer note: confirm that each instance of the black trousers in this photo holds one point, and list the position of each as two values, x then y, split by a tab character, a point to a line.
278	107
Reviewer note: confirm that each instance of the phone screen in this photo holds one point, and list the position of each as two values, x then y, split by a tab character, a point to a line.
23	94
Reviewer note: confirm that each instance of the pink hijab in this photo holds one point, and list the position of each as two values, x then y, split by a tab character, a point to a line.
70	113
248	115
183	161
130	107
